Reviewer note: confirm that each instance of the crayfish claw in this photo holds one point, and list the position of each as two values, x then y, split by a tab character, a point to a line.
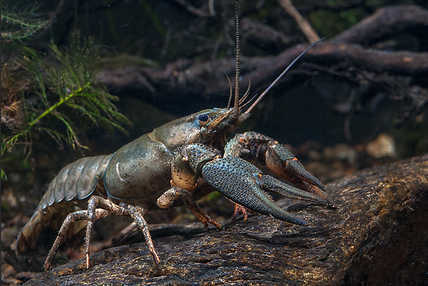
239	180
273	184
275	157
285	165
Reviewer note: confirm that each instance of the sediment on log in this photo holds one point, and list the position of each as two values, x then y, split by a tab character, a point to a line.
377	235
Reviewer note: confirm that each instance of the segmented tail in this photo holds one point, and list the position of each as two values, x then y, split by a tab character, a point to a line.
76	181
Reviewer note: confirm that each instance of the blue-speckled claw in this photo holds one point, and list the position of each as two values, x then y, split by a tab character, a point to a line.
276	157
243	183
273	184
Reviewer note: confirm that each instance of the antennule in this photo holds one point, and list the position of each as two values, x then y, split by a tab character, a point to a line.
282	74
230	91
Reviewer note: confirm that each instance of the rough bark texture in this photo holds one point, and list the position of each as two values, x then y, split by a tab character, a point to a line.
378	235
190	78
384	22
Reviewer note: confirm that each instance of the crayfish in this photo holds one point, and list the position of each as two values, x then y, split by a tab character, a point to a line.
173	161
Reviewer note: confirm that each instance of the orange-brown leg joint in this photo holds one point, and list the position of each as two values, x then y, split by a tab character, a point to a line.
240	209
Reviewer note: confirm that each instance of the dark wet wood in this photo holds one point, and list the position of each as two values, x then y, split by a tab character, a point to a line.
186	77
384	22
378	235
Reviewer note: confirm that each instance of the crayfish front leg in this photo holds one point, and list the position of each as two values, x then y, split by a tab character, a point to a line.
175	193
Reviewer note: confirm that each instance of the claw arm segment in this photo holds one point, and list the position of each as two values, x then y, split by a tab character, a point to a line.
276	157
187	164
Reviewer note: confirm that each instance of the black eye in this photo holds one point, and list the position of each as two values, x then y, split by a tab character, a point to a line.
203	117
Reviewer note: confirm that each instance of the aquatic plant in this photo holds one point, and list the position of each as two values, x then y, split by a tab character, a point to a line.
19	23
62	91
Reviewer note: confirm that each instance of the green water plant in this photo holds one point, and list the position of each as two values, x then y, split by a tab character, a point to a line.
62	97
20	22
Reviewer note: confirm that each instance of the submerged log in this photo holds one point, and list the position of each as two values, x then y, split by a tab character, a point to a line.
377	235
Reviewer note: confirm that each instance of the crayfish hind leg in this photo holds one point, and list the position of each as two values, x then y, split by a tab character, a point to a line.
239	181
137	215
71	218
98	208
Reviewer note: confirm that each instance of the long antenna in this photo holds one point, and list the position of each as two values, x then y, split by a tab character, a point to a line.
237	63
282	74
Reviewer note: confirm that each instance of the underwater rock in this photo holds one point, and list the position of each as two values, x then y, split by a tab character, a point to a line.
382	146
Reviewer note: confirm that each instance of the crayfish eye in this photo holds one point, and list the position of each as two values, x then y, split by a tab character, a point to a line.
203	118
